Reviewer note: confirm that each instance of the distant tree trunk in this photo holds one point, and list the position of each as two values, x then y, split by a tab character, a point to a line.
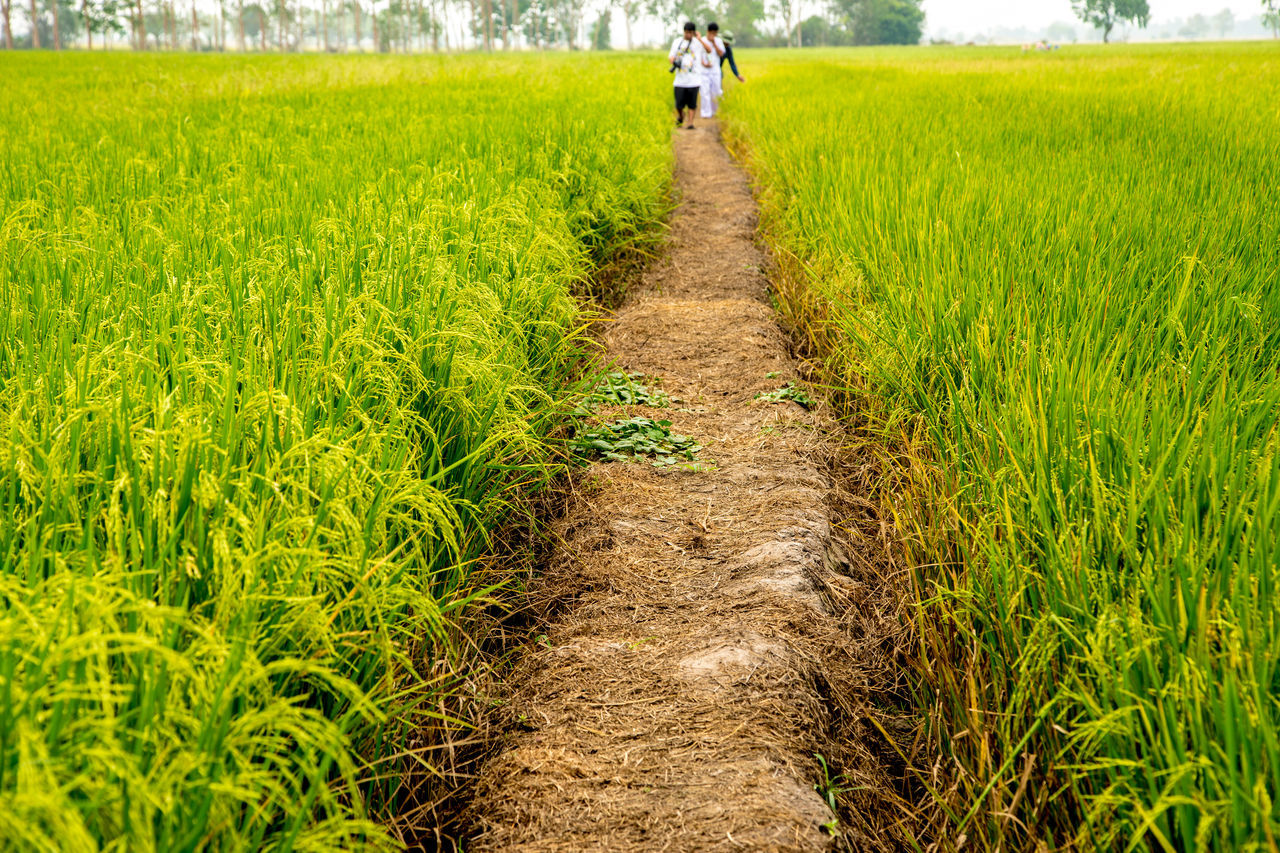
139	27
262	28
6	11
355	10
57	30
88	29
627	18
222	25
195	27
280	25
35	27
324	23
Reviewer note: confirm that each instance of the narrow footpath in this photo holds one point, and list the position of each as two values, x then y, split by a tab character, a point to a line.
698	652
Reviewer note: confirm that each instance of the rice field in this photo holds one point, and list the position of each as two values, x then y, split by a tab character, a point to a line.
282	342
1049	287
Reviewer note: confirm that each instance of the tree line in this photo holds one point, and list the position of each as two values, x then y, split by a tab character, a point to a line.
1105	15
435	25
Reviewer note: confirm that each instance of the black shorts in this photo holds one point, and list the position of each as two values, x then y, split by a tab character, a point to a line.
686	97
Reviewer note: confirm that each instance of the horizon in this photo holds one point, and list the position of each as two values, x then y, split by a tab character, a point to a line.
980	21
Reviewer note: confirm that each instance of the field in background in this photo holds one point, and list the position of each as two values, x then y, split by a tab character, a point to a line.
1054	280
281	342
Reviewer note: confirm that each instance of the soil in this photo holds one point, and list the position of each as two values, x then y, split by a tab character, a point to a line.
706	634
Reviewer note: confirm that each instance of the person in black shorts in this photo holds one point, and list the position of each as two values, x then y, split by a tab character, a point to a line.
690	58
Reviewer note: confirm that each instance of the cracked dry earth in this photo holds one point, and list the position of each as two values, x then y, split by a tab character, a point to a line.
695	655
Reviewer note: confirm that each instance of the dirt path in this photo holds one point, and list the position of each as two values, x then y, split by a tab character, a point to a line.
697	653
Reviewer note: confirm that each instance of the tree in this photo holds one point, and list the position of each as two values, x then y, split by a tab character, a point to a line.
890	22
254	21
1060	31
568	14
790	12
101	17
6	13
281	9
1271	16
817	31
1105	14
1197	27
1224	22
740	17
630	9
878	21
601	37
35	27
138	19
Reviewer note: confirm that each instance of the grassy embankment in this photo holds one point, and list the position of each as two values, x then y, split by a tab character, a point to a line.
1056	278
281	341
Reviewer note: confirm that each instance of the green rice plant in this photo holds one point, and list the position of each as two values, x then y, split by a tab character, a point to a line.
1057	280
282	341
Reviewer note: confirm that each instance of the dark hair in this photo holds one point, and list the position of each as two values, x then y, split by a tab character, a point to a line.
713	27
690	27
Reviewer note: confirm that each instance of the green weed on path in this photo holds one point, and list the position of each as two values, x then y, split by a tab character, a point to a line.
281	342
789	392
1057	279
636	438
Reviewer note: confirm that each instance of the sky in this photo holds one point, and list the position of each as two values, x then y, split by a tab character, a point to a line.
973	16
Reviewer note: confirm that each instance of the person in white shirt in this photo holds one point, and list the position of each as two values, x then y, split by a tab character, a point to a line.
711	83
690	60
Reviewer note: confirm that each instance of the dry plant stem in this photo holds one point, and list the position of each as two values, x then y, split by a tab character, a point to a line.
706	632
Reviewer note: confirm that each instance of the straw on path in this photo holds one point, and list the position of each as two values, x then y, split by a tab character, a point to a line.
705	635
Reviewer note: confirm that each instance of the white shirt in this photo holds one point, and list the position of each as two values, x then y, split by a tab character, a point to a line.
690	54
714	70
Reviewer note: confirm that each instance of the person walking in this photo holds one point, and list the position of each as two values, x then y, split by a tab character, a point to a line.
711	83
727	38
690	58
